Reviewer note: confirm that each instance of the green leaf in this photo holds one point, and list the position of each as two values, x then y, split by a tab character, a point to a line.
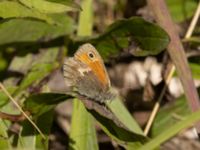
149	38
192	40
3	63
169	115
124	116
195	70
138	36
29	138
23	30
171	131
181	10
195	67
4	139
41	106
4	98
41	103
120	134
50	6
7	138
70	3
18	10
113	124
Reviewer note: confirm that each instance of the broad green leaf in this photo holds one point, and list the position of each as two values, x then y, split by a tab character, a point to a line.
82	134
47	6
131	134
18	10
188	121
149	38
135	34
41	103
33	30
119	124
181	10
115	131
114	126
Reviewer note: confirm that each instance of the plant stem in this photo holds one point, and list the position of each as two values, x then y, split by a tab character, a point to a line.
167	24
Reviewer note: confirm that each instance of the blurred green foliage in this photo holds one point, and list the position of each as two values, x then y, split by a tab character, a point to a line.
182	9
35	36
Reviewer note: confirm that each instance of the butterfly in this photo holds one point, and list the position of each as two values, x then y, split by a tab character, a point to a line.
86	75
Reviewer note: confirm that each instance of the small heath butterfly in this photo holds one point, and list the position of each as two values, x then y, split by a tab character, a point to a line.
86	75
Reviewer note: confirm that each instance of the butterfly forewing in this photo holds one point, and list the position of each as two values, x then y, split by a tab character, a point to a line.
87	76
95	63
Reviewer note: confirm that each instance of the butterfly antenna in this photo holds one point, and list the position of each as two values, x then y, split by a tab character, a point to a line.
21	110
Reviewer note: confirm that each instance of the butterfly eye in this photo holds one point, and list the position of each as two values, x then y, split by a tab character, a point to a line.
91	55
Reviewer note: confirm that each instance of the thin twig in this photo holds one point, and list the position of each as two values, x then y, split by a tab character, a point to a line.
172	70
21	110
157	104
193	23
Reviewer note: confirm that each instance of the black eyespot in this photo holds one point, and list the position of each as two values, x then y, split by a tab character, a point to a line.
91	55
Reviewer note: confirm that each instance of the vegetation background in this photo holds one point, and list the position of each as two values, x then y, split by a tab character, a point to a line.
37	35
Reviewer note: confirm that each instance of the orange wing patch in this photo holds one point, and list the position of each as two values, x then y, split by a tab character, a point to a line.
96	66
99	71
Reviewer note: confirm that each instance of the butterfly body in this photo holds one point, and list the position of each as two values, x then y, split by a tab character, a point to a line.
85	73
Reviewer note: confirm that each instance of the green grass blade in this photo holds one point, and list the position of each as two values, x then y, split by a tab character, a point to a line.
167	134
124	116
85	19
82	134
